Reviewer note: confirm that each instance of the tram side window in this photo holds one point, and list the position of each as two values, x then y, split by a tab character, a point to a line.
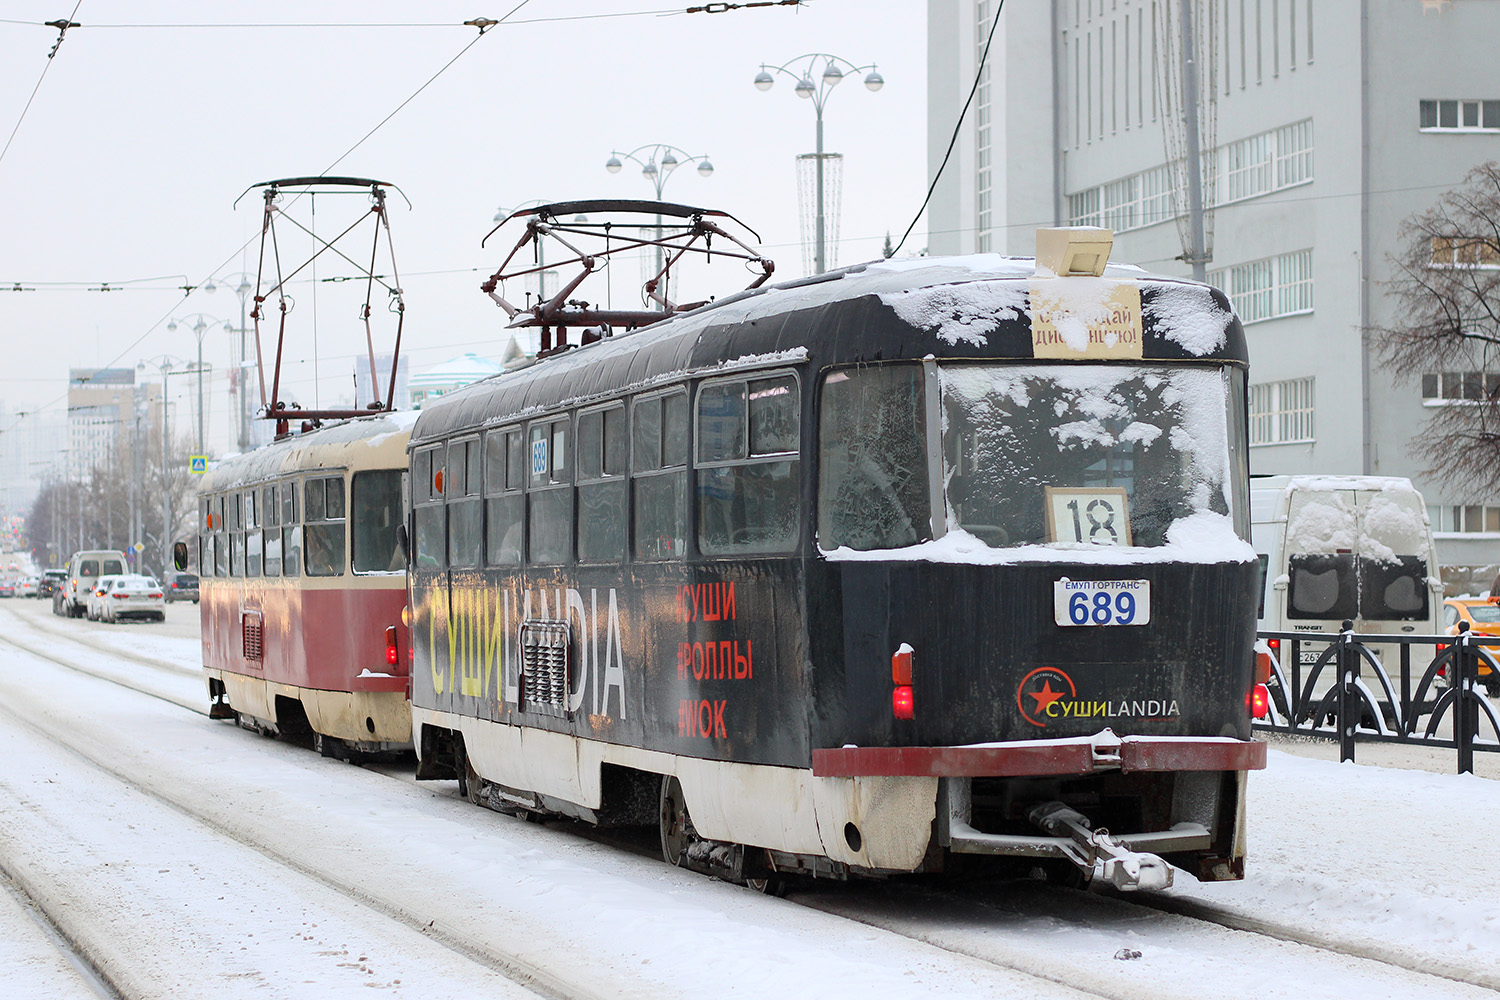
872	459
461	487
323	537
291	532
748	487
270	511
205	537
252	533
427	500
660	434
601	485
235	509
505	504
221	537
549	499
375	513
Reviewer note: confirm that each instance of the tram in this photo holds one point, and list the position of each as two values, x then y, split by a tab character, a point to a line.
887	570
302	586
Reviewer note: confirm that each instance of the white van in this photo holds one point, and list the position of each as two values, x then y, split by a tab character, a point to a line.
84	568
1337	548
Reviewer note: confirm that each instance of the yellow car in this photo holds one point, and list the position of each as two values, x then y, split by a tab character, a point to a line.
1483	616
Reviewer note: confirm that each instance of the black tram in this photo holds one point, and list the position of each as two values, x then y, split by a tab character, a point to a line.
881	571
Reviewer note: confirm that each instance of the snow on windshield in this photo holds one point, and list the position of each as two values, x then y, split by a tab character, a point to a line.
1158	435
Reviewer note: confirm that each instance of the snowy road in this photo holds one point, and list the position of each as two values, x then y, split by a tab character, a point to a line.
188	858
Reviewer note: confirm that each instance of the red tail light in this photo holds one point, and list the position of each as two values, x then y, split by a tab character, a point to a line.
154	595
1260	701
1442	646
903	704
391	656
1275	644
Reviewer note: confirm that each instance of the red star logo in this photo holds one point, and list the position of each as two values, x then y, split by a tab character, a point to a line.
1045	697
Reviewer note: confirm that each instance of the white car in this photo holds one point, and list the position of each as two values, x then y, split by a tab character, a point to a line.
115	598
27	587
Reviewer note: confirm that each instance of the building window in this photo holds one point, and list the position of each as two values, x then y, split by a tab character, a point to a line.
1454	115
1268	288
1468	518
1443	387
1260	164
1465	251
1282	412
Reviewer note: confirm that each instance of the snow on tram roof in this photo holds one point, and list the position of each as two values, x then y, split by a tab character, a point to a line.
293	452
1183	318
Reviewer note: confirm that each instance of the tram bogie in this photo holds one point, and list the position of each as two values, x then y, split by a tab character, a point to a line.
931	562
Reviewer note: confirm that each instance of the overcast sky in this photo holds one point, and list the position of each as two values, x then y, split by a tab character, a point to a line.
155	116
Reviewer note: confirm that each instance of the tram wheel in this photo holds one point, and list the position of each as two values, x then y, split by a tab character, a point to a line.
772	885
676	826
472	785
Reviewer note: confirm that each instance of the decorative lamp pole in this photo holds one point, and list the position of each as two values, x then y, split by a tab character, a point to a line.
802	69
243	290
201	323
658	161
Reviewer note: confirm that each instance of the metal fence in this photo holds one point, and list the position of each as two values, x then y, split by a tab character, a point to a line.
1435	698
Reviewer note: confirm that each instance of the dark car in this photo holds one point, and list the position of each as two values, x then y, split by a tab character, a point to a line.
49	581
182	587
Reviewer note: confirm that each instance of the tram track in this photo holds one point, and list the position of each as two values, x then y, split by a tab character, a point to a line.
1080	910
55	935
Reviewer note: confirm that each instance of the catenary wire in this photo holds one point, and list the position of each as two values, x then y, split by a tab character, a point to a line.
61	33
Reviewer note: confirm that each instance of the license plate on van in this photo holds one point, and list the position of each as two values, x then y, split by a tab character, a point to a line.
1101	602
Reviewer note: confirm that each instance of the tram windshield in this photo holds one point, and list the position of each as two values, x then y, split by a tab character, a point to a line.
1030	454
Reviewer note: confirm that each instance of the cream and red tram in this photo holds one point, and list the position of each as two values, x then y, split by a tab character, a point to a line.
302	586
912	563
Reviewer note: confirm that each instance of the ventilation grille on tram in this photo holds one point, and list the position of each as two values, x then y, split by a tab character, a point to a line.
250	629
546	661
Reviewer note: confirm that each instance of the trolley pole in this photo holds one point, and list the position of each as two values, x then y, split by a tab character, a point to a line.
1198	253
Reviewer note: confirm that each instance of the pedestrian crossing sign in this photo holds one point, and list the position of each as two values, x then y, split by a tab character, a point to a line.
197	464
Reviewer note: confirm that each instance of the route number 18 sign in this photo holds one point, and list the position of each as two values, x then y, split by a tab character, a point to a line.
1098	515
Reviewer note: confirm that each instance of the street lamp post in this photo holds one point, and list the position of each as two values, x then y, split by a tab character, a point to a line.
165	364
201	323
661	162
801	70
243	290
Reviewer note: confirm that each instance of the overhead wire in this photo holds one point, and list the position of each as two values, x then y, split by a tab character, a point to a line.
188	289
62	31
984	60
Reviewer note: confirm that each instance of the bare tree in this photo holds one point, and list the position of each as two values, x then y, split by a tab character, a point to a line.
1446	329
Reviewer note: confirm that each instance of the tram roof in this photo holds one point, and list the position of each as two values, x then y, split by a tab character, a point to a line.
327	447
974	307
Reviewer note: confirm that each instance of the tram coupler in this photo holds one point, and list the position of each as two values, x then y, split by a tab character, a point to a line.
1123	868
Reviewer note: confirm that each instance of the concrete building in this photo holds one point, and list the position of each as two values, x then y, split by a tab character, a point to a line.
1325	125
103	406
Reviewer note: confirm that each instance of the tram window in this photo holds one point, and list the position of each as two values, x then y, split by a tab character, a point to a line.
252	553
660	435
291	554
236	553
430	547
323	536
273	551
376	513
221	554
550	503
288	503
505	508
601	485
269	508
872	464
748	480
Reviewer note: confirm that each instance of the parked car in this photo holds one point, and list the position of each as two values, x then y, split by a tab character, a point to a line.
1483	616
50	580
27	587
182	587
128	595
83	569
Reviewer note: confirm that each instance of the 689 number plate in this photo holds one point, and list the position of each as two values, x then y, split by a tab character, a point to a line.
1102	602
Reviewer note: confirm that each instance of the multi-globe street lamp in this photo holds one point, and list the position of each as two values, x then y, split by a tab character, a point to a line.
658	161
168	366
802	70
200	324
242	289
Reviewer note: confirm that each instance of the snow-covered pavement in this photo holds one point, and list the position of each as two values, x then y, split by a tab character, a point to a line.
173	839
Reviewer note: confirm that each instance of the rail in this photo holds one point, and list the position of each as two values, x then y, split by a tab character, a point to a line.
1334	701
